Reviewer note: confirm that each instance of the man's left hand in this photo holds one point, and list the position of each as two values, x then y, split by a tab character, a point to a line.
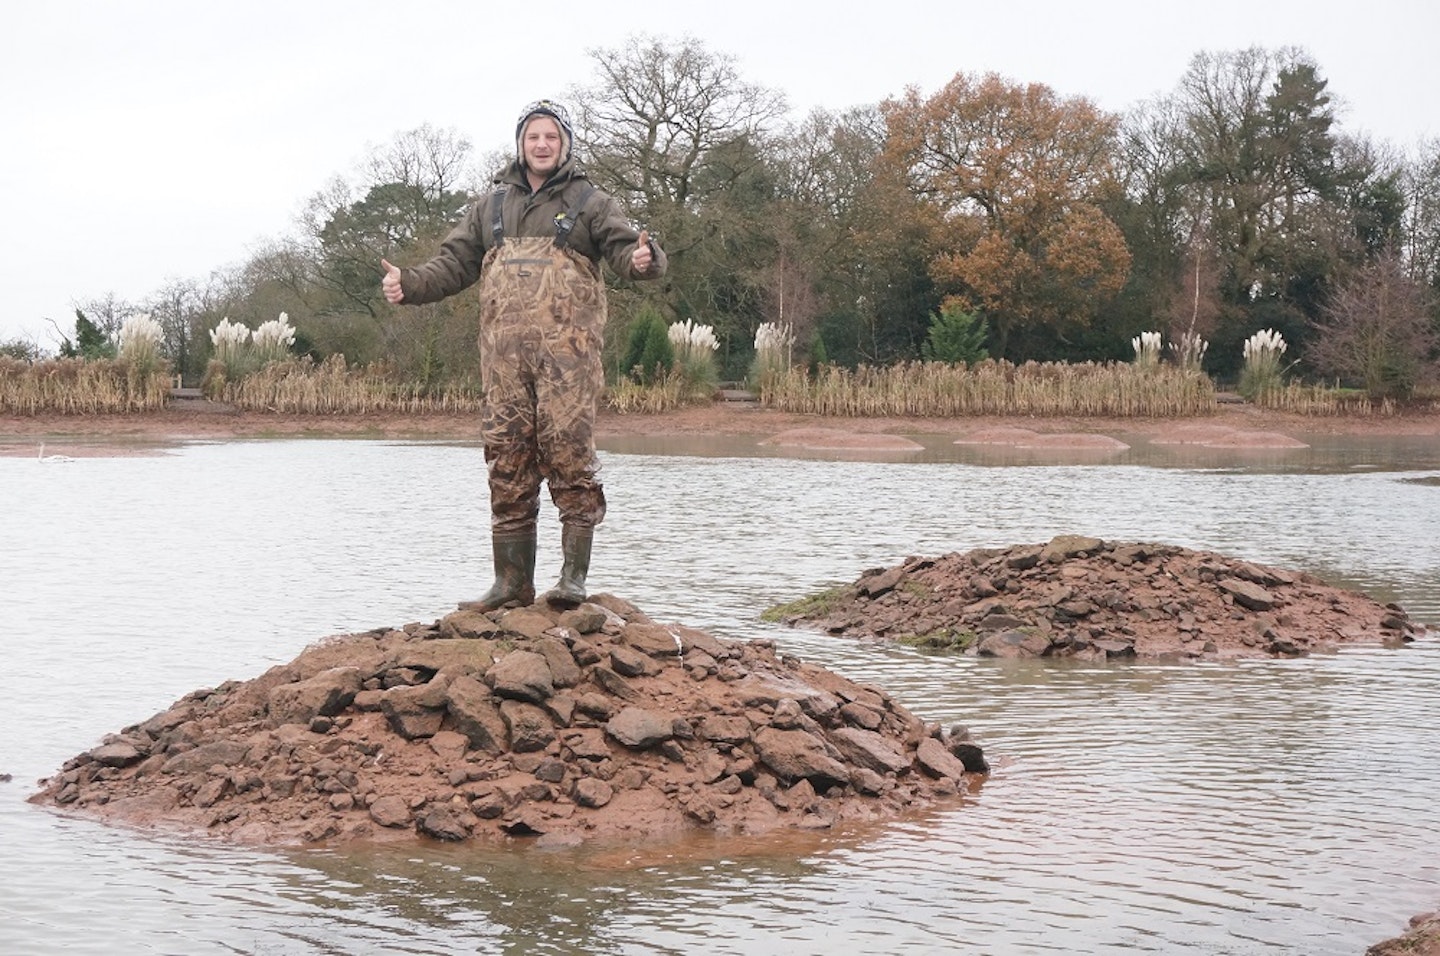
642	260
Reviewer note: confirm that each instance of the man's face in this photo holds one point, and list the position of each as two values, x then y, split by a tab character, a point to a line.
542	145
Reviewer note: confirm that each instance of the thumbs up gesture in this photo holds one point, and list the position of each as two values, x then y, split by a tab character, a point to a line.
390	283
643	258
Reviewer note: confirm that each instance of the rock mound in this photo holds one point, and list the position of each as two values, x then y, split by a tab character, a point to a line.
592	723
1090	599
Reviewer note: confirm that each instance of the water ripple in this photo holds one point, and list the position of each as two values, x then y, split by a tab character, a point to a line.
1266	807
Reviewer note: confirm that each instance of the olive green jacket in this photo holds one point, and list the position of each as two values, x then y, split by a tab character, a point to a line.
602	231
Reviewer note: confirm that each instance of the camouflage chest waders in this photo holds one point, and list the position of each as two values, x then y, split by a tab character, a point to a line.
542	329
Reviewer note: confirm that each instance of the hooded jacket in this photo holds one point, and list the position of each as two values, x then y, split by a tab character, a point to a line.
601	232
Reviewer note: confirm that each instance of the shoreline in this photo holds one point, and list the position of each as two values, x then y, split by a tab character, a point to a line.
204	421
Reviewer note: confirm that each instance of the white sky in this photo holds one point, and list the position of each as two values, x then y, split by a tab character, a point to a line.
154	140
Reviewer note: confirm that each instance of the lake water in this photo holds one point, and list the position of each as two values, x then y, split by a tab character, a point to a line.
1270	807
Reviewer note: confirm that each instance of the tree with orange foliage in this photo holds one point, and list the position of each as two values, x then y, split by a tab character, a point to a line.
1013	177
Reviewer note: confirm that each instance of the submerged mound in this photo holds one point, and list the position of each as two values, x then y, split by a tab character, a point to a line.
834	439
1223	436
594	722
1025	438
1090	599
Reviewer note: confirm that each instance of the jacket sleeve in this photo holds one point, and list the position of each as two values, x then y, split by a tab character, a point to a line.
456	266
614	237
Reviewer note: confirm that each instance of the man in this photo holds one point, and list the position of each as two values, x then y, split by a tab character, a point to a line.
535	243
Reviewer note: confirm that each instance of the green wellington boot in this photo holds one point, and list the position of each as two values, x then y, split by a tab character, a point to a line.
514	573
575	543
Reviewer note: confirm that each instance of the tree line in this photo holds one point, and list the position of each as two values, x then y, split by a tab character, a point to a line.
1235	202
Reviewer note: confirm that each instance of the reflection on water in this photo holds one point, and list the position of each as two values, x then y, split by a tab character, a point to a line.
1322	454
1266	807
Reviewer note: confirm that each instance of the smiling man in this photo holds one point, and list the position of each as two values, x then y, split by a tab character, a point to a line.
535	243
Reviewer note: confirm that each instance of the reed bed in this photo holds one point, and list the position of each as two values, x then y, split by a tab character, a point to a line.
1322	400
301	387
627	396
938	389
74	386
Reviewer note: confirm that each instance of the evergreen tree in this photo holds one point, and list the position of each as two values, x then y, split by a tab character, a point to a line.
956	336
90	342
648	353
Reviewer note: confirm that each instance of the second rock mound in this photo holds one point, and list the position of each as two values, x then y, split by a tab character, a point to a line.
1086	598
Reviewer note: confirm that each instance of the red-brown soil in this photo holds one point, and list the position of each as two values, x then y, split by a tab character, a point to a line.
19	434
595	723
1088	599
1421	939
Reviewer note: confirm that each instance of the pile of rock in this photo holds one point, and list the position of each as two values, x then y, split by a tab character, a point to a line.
595	722
1085	598
1421	939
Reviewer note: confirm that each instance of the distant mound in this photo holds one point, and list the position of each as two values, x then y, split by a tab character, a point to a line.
1090	599
592	723
835	439
1025	438
1221	436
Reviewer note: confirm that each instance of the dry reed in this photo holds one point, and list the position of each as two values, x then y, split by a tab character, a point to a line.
1322	400
73	386
938	389
300	387
627	396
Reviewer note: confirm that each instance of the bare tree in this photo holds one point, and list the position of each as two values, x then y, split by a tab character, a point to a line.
1195	305
675	133
434	160
1421	228
108	313
178	307
410	192
1376	331
658	113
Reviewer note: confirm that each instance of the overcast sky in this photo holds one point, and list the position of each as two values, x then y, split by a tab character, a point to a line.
150	140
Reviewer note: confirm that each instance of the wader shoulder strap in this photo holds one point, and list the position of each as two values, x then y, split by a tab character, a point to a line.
566	220
497	226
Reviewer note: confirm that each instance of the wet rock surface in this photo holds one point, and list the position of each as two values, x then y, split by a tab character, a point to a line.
594	723
1090	599
1421	939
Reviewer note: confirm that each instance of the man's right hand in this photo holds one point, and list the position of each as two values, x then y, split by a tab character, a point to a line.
390	284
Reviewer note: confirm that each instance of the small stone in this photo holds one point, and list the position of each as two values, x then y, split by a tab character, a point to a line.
590	792
444	823
638	728
119	754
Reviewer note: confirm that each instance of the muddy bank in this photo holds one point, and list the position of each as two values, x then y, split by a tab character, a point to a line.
205	420
1090	599
1421	939
594	723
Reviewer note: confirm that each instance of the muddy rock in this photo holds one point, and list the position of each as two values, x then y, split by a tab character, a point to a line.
1421	939
1090	599
325	694
594	723
522	675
